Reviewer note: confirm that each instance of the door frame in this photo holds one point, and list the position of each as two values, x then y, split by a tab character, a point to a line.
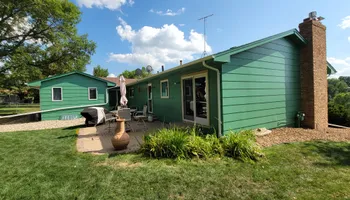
193	76
149	98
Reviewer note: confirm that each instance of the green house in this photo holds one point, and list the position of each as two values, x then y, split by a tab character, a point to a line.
249	86
260	84
65	96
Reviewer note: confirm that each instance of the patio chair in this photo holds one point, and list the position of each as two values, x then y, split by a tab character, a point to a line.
141	116
109	117
124	113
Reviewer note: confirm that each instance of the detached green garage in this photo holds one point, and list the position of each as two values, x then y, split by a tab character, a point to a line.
65	96
261	84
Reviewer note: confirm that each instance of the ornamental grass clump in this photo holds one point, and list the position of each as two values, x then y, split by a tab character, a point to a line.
198	147
166	143
241	145
216	145
179	143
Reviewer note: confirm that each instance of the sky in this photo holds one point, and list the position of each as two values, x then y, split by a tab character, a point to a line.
133	33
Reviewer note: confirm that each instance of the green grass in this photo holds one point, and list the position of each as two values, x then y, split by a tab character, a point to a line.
45	165
18	109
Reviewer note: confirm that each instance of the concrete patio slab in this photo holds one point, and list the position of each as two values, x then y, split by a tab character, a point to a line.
97	140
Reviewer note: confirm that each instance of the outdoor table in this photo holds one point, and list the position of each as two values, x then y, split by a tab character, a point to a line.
114	112
132	111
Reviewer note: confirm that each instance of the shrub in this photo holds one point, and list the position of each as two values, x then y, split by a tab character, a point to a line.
241	145
198	147
339	109
216	146
166	143
179	143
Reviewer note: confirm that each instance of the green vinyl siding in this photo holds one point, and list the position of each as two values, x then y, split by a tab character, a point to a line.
260	87
170	109
74	93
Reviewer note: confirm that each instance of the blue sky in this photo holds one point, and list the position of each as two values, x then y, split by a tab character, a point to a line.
134	33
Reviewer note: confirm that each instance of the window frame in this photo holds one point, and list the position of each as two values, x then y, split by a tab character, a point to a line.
52	93
89	93
161	89
133	94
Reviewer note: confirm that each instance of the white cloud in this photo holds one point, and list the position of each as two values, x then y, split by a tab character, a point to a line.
181	24
345	22
336	61
168	12
109	4
341	65
21	26
111	75
158	46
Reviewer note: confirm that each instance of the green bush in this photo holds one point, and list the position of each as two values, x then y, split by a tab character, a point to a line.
339	109
198	147
166	143
216	145
241	145
180	143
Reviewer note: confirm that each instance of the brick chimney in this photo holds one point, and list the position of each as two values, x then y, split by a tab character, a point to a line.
313	73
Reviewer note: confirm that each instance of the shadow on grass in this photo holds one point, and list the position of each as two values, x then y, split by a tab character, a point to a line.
335	153
68	136
74	127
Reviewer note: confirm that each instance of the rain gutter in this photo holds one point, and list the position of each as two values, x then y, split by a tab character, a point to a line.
218	84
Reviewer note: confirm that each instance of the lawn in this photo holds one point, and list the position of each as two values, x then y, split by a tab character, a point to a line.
17	109
45	165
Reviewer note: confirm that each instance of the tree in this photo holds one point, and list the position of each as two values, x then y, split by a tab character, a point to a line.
339	109
39	38
129	74
346	79
100	72
132	74
336	86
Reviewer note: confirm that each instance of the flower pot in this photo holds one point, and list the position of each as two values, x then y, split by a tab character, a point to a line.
121	139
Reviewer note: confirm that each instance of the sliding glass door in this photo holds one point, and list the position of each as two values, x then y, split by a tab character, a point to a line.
201	116
195	99
187	103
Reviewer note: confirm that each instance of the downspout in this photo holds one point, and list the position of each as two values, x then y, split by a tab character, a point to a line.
218	84
65	108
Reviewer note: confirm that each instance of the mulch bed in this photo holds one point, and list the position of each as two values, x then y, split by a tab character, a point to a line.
288	135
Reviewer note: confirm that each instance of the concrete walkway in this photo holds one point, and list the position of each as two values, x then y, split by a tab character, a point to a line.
49	124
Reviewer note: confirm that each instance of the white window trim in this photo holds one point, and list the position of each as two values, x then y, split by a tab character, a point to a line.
53	95
194	76
161	95
131	97
89	93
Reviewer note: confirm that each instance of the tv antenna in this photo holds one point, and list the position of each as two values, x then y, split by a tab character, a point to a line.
204	34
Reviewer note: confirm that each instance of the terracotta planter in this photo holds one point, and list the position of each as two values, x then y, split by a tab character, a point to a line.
121	139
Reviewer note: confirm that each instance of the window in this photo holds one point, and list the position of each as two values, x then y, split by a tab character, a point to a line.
57	94
131	92
92	93
164	89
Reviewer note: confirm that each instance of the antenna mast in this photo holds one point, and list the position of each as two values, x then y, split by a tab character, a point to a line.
204	35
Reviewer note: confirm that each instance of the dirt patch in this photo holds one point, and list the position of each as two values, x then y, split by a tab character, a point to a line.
120	164
288	135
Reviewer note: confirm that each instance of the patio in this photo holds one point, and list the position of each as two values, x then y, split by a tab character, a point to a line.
97	140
